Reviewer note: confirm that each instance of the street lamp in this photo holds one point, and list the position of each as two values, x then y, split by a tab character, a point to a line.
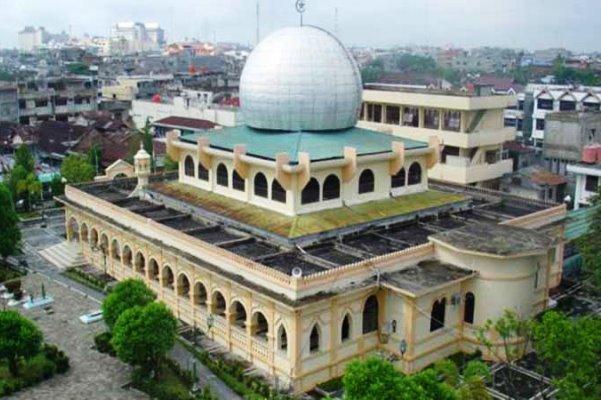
403	348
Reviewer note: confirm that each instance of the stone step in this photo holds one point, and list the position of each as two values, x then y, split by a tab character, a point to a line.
64	255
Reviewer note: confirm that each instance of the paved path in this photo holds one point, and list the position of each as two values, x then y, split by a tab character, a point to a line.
36	238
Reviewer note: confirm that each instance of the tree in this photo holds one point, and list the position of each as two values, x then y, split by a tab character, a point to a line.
29	189
142	336
19	338
571	352
372	71
95	158
24	158
78	69
170	164
9	221
76	169
57	186
589	245
473	385
125	295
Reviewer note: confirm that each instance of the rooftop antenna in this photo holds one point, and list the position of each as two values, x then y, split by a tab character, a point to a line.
300	8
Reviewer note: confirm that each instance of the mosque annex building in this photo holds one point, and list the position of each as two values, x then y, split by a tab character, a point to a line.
310	242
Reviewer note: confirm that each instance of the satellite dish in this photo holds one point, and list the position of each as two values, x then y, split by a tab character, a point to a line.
297	272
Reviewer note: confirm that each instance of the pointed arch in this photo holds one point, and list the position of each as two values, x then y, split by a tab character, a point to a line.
346	328
260	185
183	285
203	173
331	188
399	179
94	237
115	250
222	175
200	294
140	263
260	327
367	181
83	231
437	316
73	229
370	314
238	314
127	256
189	166
278	193
315	339
414	177
311	192
104	244
153	270
282	338
167	277
218	303
238	183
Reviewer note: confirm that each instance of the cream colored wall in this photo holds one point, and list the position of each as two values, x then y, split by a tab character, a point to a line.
433	100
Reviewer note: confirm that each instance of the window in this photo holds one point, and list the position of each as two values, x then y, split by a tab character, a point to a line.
282	339
438	314
431	119
521	105
589	106
591	183
203	173
260	184
189	166
222	176
567	105
238	316
238	182
183	286
415	174
366	181
200	294
260	327
540	124
520	124
345	330
278	193
310	193
167	277
411	116
399	180
468	312
393	115
452	121
374	112
370	315
331	188
510	122
314	339
544	104
218	303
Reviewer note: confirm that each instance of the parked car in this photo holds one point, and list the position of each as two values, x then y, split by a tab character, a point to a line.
91	317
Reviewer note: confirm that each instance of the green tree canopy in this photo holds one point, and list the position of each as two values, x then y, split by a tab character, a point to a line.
76	169
125	295
142	336
24	158
29	189
170	164
589	245
9	221
571	349
19	337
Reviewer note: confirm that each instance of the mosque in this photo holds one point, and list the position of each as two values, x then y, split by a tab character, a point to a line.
300	242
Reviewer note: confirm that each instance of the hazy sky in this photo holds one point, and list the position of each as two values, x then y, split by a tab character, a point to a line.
527	24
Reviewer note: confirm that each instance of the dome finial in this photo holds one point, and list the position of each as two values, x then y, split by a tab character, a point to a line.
300	8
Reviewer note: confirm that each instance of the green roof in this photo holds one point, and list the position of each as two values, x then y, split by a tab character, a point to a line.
324	145
306	224
579	222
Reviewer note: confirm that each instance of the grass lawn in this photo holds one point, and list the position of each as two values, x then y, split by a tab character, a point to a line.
306	224
85	279
29	215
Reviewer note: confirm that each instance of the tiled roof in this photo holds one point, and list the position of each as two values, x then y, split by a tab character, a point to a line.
182	122
325	145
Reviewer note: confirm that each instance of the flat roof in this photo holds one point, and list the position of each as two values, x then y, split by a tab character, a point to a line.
425	275
494	239
318	222
324	145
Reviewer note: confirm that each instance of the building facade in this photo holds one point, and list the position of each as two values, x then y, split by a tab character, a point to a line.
136	37
9	103
303	248
32	38
470	128
588	180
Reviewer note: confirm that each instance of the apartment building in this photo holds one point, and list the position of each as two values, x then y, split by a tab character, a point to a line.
469	127
58	99
136	37
9	109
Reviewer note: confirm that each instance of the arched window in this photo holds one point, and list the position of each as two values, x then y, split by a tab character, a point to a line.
203	173
345	329
260	184
282	338
189	166
367	181
278	193
74	230
438	314
104	244
218	303
222	176
238	316
200	294
153	270
399	180
84	233
238	182
310	193
314	339
415	174
470	305
260	328
126	257
140	263
115	250
93	237
370	315
167	277
183	286
331	188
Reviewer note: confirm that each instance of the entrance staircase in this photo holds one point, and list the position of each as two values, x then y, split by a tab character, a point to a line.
64	255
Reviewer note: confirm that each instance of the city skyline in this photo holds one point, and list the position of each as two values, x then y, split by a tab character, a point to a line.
532	25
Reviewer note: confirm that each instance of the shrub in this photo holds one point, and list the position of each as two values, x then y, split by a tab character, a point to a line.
103	343
58	357
37	369
13	286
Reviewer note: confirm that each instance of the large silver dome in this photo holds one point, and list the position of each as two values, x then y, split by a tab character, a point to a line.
300	78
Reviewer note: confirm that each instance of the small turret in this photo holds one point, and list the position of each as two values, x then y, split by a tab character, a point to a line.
142	167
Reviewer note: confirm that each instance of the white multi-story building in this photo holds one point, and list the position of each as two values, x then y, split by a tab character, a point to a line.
588	177
155	33
136	37
32	38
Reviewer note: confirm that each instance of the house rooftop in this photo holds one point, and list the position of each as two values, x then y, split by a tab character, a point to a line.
326	145
185	123
424	276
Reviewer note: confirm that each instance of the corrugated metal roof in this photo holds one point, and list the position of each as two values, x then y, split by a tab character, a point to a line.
320	145
579	222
